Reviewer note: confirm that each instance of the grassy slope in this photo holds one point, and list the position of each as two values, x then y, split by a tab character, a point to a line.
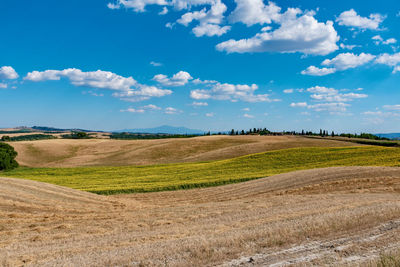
113	180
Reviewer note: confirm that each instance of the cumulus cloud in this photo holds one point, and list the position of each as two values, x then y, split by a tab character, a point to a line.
179	79
8	72
3	86
199	104
209	20
211	114
350	18
198	81
142	92
346	61
349	47
136	5
127	88
232	92
299	104
141	109
326	94
302	34
288	91
210	30
155	64
315	71
333	100
388	59
248	116
379	40
392	107
171	111
252	12
164	11
133	110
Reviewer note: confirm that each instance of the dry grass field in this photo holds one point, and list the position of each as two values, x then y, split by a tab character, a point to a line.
106	152
342	215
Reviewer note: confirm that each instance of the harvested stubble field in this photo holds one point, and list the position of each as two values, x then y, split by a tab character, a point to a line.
106	152
343	215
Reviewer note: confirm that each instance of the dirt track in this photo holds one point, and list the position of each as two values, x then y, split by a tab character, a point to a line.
345	214
106	152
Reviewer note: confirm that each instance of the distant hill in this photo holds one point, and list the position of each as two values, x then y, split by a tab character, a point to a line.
163	129
395	136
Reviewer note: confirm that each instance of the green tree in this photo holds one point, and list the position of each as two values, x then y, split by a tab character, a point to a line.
7	157
5	138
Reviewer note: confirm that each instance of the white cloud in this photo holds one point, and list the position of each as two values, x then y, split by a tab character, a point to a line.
350	18
199	104
338	97
288	91
128	88
248	116
141	109
322	90
349	47
133	110
95	79
232	92
171	111
346	61
392	107
379	40
164	11
143	92
321	93
389	60
332	107
334	102
211	114
246	109
390	41
198	81
208	20
151	107
136	5
3	86
252	12
179	79
8	72
155	64
302	34
300	104
315	71
210	30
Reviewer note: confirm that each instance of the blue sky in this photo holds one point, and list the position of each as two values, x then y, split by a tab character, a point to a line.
204	64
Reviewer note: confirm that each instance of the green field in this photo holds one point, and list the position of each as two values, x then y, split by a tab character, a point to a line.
129	179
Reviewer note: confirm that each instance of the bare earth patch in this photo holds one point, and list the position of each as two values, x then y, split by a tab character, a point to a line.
106	152
342	215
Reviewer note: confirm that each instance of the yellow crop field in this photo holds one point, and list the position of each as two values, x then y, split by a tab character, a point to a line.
130	179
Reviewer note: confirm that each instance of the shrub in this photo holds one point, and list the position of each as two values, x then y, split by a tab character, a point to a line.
7	157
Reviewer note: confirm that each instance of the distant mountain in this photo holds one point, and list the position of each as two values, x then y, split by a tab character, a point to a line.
395	136
52	129
165	129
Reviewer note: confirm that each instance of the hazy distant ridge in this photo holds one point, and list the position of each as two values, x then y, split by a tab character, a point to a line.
163	129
